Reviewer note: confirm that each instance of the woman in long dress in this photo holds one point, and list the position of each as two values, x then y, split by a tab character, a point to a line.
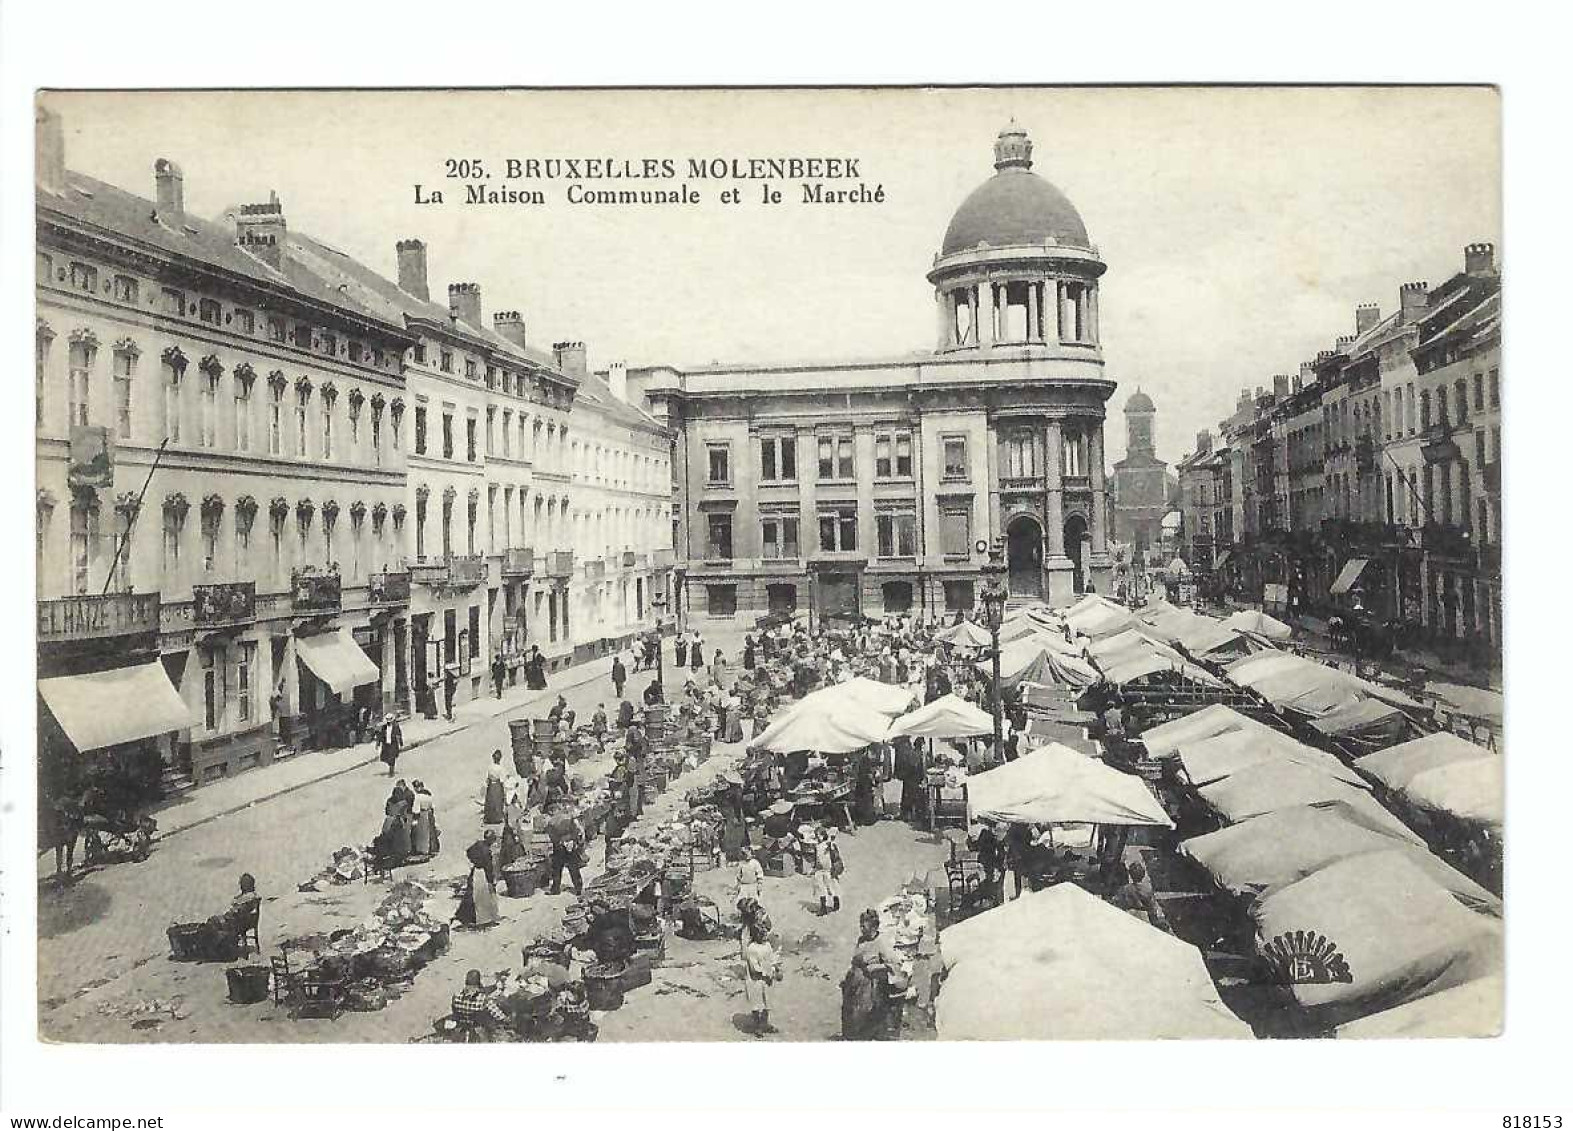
393	842
717	668
478	907
535	669
423	831
696	652
496	795
734	720
863	985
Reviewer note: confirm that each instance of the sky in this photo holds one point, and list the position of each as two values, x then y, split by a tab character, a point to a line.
1241	226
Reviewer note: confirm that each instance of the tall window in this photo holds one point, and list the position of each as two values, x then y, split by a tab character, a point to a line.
83	353
1021	457
838	530
242	414
447	524
420	430
84	277
174	522
1425	408
208	311
1496	389
276	332
245	673
718	546
327	426
718	463
1073	460
470	517
1461	400
209	421
44	339
955	457
420	526
172	302
491	432
125	518
215	685
302	403
835	457
893	455
475	632
276	535
125	370
1480	392
778	459
778	536
897	535
211	518
376	430
125	288
507	434
84	543
275	419
955	532
469	439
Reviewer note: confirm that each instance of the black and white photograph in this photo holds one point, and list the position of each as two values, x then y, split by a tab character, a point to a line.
760	566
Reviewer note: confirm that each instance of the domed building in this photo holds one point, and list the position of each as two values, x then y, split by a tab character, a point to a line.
866	487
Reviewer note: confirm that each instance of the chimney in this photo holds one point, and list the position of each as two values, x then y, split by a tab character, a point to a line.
49	150
259	229
1343	343
1480	259
1307	375
464	302
570	358
412	269
617	380
170	193
1367	315
1412	302
1243	401
1204	442
509	324
1280	386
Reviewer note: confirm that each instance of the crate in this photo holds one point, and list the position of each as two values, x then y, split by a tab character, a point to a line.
638	972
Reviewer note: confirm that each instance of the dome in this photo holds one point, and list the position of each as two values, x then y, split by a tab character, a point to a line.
1015	206
1140	402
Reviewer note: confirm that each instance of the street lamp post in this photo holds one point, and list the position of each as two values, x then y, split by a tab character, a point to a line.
658	606
994	596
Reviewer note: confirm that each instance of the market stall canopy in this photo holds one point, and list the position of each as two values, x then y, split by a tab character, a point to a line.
1140	666
1348	576
1400	935
887	698
1097	616
966	635
1178	567
949	716
1270	786
1470	790
1281	848
1259	624
1127	643
1058	784
1061	964
1287	680
1216	757
829	727
337	661
1398	765
1369	720
1166	738
1473	1009
1036	660
99	709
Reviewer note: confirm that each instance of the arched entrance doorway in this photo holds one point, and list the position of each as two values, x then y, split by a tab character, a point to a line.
1076	550
1024	556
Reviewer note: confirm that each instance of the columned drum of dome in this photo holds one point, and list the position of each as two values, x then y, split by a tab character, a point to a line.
866	485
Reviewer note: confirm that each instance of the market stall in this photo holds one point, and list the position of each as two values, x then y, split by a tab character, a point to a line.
1473	1009
1270	786
1211	759
1056	784
1258	623
1061	964
1443	773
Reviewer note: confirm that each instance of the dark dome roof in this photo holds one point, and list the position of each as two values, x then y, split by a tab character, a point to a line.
1140	402
1014	206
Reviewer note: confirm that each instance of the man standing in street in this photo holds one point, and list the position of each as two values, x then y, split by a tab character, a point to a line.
450	686
619	675
499	673
391	739
636	746
567	842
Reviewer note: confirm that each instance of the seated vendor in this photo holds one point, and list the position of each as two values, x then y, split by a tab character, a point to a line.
476	1008
555	782
780	833
609	934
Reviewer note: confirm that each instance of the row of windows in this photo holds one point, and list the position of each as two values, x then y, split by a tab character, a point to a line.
175	303
497	378
895	534
1452	406
225	411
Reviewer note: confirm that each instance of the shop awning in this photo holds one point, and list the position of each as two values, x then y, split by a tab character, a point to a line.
102	709
337	661
1348	575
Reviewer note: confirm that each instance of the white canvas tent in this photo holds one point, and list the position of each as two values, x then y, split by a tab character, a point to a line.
1056	784
966	635
1271	786
1400	934
1281	848
1258	623
886	698
1473	1009
1166	738
1218	756
837	719
947	717
1061	964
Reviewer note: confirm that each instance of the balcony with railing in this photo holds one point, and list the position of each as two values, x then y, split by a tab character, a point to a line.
456	571
389	587
1445	538
518	561
595	569
559	563
224	605
94	617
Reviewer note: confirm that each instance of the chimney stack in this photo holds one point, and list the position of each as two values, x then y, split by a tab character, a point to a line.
1412	302
1367	315
509	324
260	230
1307	375
617	380
170	186
1480	259
49	150
1204	442
571	359
464	302
1280	386
412	269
